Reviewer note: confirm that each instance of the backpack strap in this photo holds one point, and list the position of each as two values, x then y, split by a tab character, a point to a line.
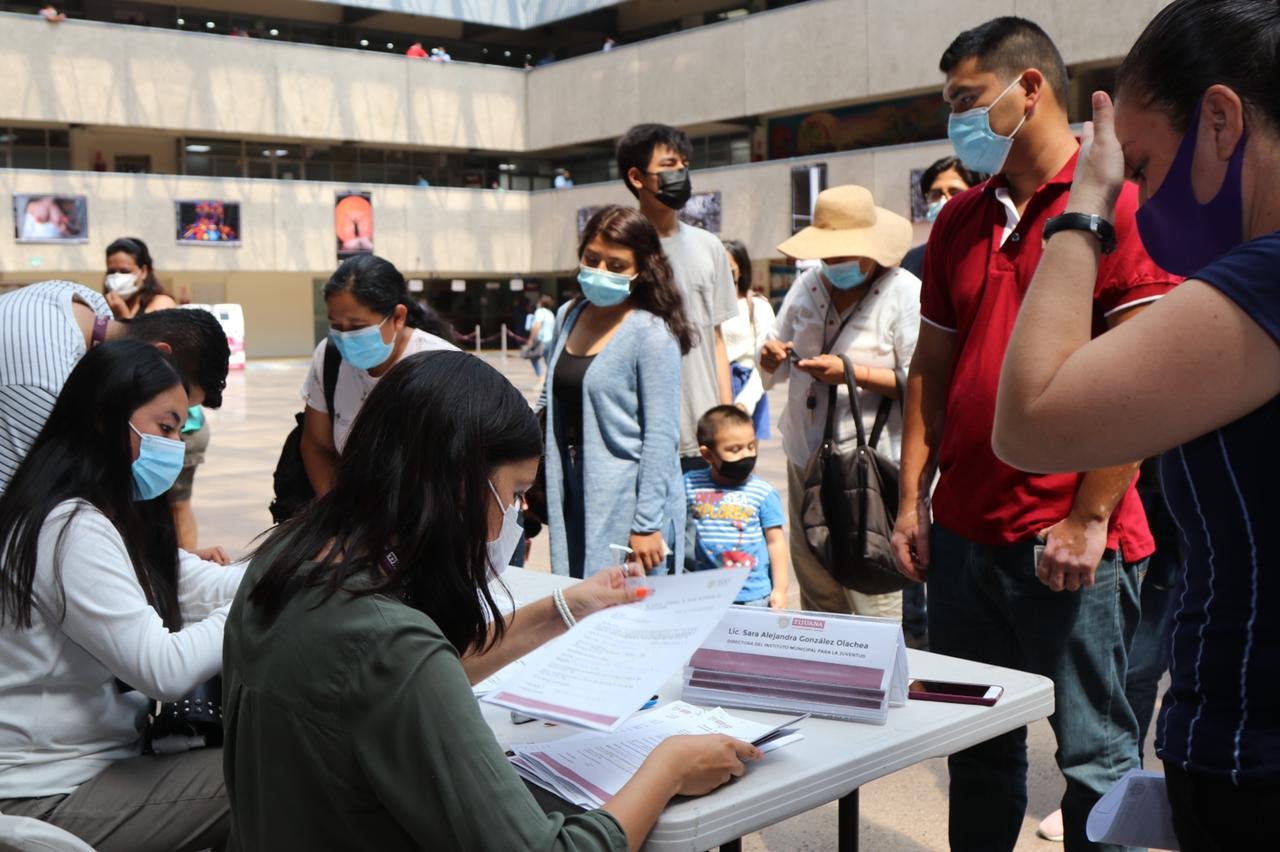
332	360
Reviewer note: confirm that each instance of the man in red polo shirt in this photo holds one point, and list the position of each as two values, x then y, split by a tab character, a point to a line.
1032	572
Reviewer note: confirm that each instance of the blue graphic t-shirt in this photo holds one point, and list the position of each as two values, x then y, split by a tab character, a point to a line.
731	521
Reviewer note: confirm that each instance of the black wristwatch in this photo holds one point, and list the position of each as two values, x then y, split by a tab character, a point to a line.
1096	225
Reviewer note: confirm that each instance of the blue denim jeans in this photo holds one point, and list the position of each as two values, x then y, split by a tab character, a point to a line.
915	610
986	604
1149	654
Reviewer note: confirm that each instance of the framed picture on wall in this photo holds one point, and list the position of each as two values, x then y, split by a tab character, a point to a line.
702	211
919	207
353	223
208	222
584	216
50	218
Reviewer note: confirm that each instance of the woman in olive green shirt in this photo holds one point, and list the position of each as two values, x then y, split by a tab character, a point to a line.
352	645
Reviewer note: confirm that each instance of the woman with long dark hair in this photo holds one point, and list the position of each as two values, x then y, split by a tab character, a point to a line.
612	402
361	625
99	612
743	337
1196	377
130	284
373	323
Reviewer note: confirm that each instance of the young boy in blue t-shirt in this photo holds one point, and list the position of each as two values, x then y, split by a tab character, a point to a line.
738	515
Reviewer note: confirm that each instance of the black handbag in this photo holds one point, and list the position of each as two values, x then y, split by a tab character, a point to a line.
292	486
850	501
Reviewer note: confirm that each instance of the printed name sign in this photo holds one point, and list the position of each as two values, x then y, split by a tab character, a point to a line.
839	666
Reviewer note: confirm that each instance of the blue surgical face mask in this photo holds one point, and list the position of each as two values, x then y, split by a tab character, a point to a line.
157	466
604	289
977	145
844	276
363	348
935	207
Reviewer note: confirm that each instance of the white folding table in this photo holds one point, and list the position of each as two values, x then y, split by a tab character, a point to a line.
832	761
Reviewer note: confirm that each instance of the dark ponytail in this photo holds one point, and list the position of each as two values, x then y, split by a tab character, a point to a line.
1193	44
376	283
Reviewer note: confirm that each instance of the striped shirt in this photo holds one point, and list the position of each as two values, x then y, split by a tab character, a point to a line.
1221	716
40	343
731	520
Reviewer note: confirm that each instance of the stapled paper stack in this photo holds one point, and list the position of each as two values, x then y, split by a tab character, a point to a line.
589	769
835	666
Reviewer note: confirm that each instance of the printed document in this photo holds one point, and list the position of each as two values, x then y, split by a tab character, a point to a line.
600	673
590	768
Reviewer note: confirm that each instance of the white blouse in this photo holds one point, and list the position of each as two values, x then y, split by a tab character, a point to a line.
881	333
743	337
64	721
355	385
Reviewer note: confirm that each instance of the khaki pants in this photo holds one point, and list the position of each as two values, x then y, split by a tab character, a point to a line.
149	803
819	591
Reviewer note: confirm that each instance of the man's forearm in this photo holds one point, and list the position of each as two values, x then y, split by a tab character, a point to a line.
922	418
1100	492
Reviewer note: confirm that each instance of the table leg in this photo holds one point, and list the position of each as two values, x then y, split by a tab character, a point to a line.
734	845
847	823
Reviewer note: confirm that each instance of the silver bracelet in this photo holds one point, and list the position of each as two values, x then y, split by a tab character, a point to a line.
562	606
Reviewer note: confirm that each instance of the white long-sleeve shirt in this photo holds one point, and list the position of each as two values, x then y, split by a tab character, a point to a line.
62	720
881	333
742	341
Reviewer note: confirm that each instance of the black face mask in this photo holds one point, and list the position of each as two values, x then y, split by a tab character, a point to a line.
738	470
674	188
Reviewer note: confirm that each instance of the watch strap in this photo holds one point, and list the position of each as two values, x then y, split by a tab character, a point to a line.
1090	223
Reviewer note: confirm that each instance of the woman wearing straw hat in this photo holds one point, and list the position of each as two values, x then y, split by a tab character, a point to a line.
859	303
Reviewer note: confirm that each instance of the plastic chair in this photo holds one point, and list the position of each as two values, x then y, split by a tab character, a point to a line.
27	834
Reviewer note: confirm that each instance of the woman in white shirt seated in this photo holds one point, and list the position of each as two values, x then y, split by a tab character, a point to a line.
743	337
101	612
373	324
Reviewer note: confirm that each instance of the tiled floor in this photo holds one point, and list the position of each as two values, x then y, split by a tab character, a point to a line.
905	811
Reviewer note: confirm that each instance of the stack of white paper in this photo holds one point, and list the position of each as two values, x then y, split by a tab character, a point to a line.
836	666
589	769
603	670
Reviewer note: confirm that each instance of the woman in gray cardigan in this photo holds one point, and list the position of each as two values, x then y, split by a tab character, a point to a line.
612	403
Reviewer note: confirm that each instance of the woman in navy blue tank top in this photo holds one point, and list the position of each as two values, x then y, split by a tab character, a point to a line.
1196	124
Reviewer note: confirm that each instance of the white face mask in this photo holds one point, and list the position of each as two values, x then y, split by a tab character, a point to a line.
502	547
123	284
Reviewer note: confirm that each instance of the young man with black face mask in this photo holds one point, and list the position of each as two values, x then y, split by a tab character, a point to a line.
653	160
738	515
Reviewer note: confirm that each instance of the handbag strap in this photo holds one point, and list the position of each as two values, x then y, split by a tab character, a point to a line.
829	431
886	408
854	405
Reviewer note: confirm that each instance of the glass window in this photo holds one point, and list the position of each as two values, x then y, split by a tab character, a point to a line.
197	164
806	183
227	167
373	165
260	168
30	157
29	137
